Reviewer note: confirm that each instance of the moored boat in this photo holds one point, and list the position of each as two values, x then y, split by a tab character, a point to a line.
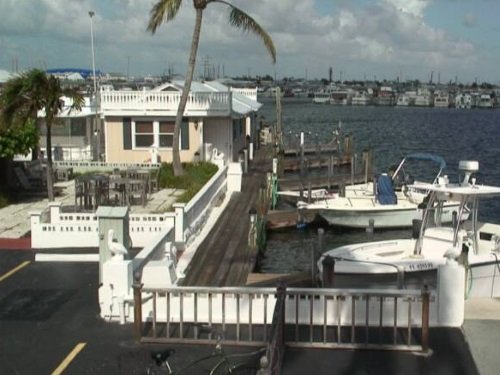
414	262
381	205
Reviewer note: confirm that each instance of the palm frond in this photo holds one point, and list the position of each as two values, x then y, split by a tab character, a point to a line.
245	22
162	11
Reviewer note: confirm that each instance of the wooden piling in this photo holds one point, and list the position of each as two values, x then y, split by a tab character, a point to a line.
328	272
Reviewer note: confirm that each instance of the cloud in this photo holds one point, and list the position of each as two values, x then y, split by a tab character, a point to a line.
354	36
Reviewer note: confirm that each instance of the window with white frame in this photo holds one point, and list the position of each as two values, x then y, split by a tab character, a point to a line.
146	133
166	133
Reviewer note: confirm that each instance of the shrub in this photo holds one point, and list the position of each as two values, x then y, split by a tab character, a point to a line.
195	176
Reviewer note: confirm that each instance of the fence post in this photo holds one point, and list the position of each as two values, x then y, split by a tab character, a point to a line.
425	319
137	286
180	217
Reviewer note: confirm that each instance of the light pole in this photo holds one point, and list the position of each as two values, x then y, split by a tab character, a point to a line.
91	14
97	130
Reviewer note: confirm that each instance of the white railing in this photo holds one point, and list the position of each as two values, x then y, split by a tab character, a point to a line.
86	166
165	103
249	93
198	208
81	230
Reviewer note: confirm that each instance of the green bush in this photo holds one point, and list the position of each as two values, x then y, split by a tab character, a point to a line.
4	201
195	176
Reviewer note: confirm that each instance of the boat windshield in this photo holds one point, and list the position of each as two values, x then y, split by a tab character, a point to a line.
435	209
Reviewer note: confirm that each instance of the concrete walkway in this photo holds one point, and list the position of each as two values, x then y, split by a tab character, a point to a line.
482	332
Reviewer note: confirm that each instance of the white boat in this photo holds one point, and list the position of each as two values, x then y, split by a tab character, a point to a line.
412	263
364	205
321	98
442	100
361	98
485	101
423	98
463	101
403	100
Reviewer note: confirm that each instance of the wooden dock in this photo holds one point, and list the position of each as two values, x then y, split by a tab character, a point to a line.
224	257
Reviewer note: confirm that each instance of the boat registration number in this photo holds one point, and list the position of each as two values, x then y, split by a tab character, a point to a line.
421	266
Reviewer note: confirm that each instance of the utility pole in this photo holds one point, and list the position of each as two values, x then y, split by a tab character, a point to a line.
128	68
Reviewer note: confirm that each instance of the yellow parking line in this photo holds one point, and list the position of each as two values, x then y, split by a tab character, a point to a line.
59	370
14	270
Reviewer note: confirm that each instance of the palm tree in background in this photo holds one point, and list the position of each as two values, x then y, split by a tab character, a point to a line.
165	11
26	94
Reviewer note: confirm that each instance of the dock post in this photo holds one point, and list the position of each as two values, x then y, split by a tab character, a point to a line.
330	171
301	147
371	226
309	193
314	272
328	272
425	319
252	233
352	170
137	286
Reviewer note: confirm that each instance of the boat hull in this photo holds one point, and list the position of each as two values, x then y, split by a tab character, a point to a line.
382	218
482	280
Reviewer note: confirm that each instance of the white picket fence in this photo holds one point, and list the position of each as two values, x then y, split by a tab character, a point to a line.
55	229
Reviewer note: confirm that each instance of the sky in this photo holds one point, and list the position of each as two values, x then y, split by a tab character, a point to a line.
358	39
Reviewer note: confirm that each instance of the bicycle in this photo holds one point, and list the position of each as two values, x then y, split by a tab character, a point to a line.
240	363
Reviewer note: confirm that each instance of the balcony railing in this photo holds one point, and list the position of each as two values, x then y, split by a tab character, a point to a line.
250	93
164	103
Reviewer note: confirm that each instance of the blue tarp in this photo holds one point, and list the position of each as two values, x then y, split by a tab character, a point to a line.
385	190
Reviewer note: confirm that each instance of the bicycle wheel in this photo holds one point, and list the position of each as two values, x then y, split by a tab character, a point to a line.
234	368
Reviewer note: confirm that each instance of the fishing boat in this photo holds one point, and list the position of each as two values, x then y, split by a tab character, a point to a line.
390	202
412	262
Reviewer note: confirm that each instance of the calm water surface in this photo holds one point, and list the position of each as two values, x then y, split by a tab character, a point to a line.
391	132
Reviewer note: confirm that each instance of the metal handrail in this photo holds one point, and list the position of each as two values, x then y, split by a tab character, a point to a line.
245	314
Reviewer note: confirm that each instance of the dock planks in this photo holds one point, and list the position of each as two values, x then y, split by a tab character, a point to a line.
224	257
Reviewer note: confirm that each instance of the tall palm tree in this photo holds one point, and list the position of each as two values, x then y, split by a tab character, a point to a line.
24	95
165	11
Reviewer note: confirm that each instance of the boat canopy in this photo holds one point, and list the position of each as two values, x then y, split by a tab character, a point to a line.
421	156
426	156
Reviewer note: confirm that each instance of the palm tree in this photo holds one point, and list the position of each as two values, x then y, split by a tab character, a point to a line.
24	95
165	11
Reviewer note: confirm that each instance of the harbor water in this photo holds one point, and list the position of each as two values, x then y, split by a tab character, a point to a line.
392	133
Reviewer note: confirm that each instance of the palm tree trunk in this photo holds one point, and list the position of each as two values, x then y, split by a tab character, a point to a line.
185	92
50	174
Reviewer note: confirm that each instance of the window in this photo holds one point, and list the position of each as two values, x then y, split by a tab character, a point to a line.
159	133
144	134
166	134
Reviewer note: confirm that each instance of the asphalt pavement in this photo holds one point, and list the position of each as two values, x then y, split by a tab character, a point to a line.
49	318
